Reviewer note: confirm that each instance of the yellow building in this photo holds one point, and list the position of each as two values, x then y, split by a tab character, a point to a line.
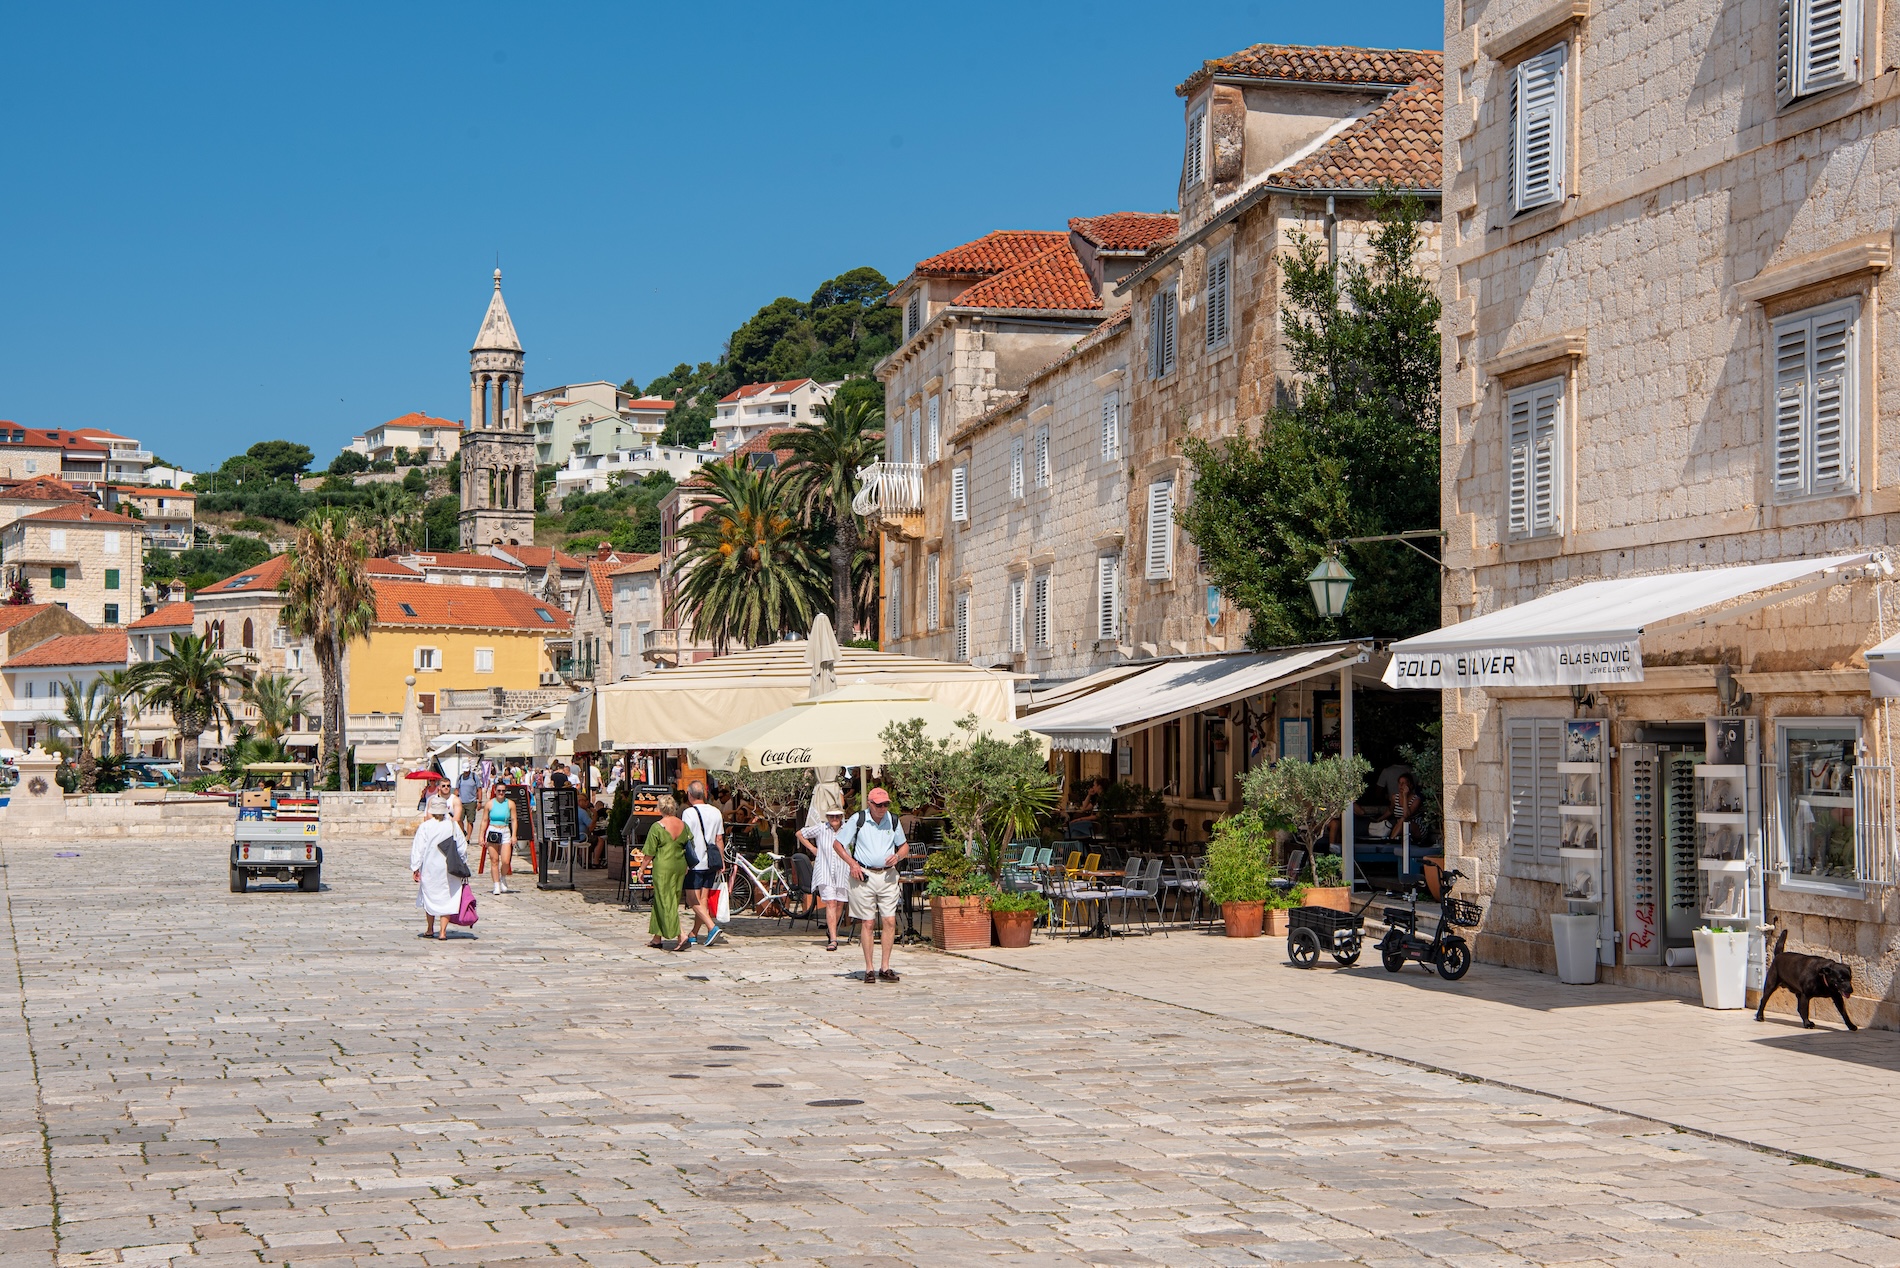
452	638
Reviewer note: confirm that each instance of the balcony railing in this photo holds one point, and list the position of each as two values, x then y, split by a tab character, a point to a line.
890	489
571	668
655	644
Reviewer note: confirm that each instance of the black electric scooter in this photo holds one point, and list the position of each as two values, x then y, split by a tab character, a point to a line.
1445	950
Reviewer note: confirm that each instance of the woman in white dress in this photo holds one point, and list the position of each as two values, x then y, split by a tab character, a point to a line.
438	859
830	877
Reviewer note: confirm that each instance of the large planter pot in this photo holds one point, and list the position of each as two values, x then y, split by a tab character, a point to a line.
1721	961
1576	939
1012	927
1338	897
959	924
1243	920
1276	922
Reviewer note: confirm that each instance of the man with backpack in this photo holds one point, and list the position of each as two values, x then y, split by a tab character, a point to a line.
876	845
708	861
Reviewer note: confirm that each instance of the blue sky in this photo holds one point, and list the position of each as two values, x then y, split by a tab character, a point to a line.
226	224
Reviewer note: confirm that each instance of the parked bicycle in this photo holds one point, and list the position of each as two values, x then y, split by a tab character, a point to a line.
1446	950
765	893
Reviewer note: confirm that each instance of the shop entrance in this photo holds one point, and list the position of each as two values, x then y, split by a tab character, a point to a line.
1660	878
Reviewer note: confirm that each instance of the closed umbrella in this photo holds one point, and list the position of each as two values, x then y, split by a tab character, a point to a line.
844	728
821	653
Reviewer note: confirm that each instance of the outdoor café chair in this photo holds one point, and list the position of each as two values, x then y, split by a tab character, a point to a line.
1174	885
1142	888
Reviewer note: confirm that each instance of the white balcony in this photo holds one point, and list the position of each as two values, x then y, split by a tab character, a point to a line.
890	490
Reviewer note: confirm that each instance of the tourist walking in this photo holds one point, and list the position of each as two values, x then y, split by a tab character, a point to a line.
468	796
830	872
438	860
666	845
496	819
707	861
876	843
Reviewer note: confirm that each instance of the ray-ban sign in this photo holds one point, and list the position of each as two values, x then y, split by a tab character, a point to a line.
1536	665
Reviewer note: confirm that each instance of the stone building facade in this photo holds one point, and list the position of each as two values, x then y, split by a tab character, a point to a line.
87	560
1664	300
498	453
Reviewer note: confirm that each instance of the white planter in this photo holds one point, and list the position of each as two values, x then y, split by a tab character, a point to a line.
1576	939
1721	959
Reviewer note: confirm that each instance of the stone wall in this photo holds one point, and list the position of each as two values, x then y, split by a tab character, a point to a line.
345	817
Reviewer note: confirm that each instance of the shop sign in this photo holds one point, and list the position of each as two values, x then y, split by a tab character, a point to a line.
1535	665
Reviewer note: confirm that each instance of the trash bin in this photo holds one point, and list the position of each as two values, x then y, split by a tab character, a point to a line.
1721	961
1576	938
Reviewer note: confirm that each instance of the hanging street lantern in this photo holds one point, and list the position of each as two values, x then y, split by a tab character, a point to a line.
1331	584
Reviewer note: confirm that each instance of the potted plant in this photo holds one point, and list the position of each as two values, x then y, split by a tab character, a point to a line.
1308	796
1279	903
1014	915
1239	872
1328	889
959	901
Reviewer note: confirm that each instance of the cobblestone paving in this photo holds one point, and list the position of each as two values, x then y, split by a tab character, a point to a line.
291	1078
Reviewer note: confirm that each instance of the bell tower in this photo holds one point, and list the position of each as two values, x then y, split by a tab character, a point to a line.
497	450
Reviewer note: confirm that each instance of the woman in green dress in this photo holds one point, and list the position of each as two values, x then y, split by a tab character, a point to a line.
664	846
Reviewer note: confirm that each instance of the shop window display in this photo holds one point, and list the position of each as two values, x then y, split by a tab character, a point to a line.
1817	768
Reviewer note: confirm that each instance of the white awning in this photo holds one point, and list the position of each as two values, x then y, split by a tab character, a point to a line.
1592	633
1883	669
1171	688
1063	692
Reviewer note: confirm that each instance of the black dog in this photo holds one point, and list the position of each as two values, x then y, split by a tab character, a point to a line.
1807	976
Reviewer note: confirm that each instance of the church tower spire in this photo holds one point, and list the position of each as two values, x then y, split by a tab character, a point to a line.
498	449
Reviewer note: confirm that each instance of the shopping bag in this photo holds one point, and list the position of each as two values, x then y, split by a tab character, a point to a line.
467	916
719	902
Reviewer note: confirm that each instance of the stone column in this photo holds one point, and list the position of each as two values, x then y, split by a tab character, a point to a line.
37	796
474	402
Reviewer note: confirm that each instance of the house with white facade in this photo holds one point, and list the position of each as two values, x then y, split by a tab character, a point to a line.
749	412
431	441
598	472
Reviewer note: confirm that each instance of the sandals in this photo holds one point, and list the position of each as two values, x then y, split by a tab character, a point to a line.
657	943
831	946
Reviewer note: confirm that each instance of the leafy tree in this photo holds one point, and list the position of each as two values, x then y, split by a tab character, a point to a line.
442	523
348	463
631	388
279	700
859	389
752	573
991	790
826	456
204	565
82	726
329	601
1353	453
193	680
281	459
122	689
1306	795
388	522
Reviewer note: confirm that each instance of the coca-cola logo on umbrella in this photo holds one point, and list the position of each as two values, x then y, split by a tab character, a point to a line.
785	757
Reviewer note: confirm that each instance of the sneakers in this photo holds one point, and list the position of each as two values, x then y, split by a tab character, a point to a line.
708	939
498	887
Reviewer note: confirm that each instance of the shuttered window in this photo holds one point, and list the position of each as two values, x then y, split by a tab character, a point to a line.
960	494
963	626
1015	615
1161	319
1016	467
1817	47
917	436
1108	598
894	445
1538	130
1534	441
932	572
1043	473
1112	427
913	316
1218	292
1814	389
1533	747
1039	603
1160	530
1194	167
934	431
894	603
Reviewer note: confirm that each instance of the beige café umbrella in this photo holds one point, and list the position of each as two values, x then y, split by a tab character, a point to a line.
821	653
844	728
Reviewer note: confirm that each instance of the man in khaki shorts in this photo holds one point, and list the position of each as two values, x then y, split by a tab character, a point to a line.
872	843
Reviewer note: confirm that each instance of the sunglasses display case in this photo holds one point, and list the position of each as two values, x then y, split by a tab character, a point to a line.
1583	815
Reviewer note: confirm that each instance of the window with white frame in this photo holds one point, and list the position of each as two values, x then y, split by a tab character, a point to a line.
1534	444
960	494
1533	747
1194	168
428	659
1160	530
626	640
1108	598
1043	473
1112	427
933	443
894	603
111	542
293	659
917	435
1817	47
56	539
1161	319
1016	467
1039	609
913	315
1539	130
1818	781
1816	359
894	442
932	574
1219	293
1014	617
279	637
962	647
484	660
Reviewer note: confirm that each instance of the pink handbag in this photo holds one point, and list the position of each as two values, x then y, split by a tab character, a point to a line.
467	916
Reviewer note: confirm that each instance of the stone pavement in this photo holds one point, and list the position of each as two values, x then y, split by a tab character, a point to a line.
285	1078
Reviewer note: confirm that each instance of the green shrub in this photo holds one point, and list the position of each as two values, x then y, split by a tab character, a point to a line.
1030	901
1239	861
953	874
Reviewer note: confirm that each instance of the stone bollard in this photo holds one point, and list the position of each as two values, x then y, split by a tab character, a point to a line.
38	797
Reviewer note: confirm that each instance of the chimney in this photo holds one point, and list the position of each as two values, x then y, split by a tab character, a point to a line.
175	593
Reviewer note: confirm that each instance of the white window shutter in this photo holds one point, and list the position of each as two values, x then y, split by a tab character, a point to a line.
1016	615
1817	47
963	626
1814	402
1538	130
1042	458
1784	52
1534	444
960	494
1154	337
894	603
1107	605
932	572
894	445
1160	530
913	315
1112	427
1518	427
1041	603
1016	467
1195	166
917	436
1831	338
416	658
1218	270
932	449
1170	305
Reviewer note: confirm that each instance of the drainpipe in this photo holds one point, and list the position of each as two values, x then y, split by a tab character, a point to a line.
1332	235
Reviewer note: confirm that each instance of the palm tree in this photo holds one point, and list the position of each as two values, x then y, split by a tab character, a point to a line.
279	700
122	689
84	721
193	680
826	457
389	521
751	572
330	602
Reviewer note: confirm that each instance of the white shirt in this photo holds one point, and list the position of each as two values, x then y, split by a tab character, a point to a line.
707	825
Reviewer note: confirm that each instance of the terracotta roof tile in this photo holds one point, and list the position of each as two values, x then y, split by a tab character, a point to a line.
1320	64
599	570
41	489
992	253
1055	280
263	577
417	603
543	556
74	650
165	617
457	560
639	563
79	513
55	438
651	403
1127	230
1397	145
762	389
12	614
416	418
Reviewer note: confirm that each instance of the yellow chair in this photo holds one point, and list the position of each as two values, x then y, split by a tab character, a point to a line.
1075	861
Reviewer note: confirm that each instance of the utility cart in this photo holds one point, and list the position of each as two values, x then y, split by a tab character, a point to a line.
277	829
1310	930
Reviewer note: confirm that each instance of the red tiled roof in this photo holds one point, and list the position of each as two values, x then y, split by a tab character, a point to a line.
263	577
992	253
544	557
458	560
389	568
651	403
79	512
99	433
416	418
12	614
762	389
1127	230
1396	146
1320	64
54	438
73	650
1055	279
164	617
598	570
417	603
639	563
149	491
41	489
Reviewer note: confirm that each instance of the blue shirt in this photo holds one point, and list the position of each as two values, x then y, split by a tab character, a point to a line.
871	843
